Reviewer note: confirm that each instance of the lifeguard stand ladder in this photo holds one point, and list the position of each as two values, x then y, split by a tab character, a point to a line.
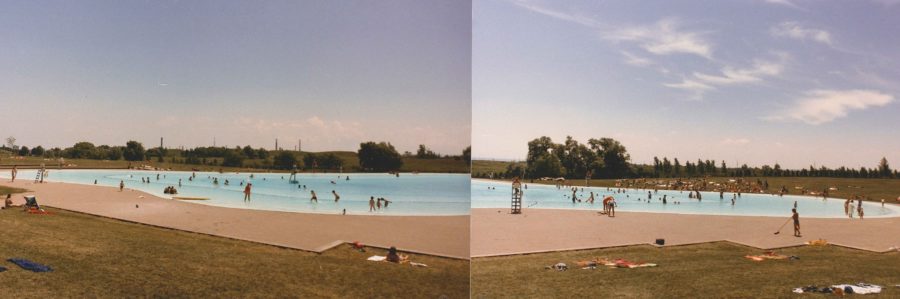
39	178
516	198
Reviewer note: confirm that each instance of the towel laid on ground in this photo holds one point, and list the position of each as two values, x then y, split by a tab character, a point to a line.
29	265
766	256
819	242
377	258
2	268
859	288
622	263
841	289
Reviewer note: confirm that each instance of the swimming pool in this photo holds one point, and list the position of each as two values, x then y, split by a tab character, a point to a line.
635	200
410	194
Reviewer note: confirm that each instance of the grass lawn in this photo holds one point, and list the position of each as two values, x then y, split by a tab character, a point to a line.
99	257
487	167
710	270
4	190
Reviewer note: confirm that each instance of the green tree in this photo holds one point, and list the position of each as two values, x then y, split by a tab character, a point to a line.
82	150
546	166
134	151
24	151
37	151
249	152
614	155
884	169
285	160
467	154
311	160
425	153
233	158
330	161
378	157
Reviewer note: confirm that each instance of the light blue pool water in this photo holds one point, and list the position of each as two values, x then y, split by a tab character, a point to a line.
635	200
410	194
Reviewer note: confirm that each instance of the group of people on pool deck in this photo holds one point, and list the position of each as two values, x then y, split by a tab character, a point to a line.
30	202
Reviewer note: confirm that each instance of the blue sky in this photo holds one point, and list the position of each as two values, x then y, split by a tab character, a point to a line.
334	73
794	82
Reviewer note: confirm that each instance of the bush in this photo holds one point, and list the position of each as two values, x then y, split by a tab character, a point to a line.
379	157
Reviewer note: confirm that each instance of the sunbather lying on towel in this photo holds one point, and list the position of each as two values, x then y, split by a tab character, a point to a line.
394	257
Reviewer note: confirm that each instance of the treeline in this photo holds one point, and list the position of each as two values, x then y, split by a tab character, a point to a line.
372	156
599	158
607	158
666	168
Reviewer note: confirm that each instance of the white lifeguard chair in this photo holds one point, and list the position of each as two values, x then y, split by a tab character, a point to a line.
516	198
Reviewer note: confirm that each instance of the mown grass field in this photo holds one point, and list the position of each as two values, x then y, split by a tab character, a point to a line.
4	190
96	257
710	270
874	189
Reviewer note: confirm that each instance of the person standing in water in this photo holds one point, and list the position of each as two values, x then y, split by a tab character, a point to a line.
314	198
372	204
796	218
121	185
14	172
247	192
852	208
336	196
846	206
859	208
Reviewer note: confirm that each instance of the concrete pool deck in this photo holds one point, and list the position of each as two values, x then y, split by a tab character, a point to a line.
495	232
446	236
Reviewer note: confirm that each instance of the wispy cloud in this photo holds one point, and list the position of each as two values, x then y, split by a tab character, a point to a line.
699	83
663	38
783	2
796	31
565	16
695	87
731	75
822	106
636	60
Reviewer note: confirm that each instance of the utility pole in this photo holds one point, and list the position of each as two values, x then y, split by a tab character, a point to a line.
276	144
160	142
299	145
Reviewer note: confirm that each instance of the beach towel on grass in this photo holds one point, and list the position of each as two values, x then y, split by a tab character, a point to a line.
859	288
2	268
377	258
819	242
766	256
622	263
30	266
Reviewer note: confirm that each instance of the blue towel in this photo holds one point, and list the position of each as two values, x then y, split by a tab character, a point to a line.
30	266
2	269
